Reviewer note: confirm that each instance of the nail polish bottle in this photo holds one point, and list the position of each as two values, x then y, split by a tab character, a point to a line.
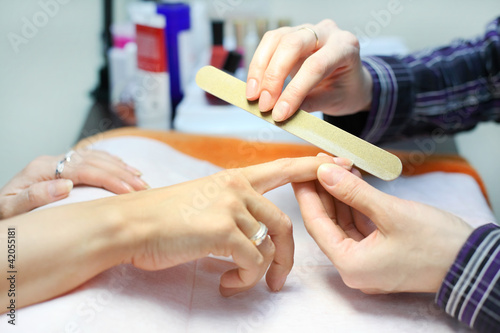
219	53
219	56
230	66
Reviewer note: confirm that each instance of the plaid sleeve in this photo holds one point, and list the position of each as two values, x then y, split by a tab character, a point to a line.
470	291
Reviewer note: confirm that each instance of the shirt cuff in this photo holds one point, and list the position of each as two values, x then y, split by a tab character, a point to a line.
392	101
470	291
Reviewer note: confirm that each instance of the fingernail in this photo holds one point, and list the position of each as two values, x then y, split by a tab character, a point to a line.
265	101
251	88
280	283
281	111
60	187
343	162
128	187
143	183
329	173
323	154
133	170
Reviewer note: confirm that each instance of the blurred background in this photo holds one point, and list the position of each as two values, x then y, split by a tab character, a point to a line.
49	70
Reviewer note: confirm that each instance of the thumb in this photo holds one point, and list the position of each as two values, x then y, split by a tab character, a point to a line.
354	192
41	193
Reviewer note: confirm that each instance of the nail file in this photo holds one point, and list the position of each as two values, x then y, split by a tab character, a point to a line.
320	133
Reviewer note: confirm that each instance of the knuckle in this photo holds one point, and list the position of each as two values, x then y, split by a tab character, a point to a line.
350	39
291	42
32	196
273	76
271	35
294	91
231	202
233	179
329	23
285	227
225	228
350	190
316	66
272	248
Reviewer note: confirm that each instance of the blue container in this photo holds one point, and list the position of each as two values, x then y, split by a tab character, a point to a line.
178	19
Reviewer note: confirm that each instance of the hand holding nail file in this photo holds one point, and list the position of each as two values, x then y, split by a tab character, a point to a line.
334	140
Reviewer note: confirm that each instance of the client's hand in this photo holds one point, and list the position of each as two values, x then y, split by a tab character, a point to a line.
162	228
325	64
36	185
378	242
217	215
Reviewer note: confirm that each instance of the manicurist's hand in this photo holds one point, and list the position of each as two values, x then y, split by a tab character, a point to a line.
379	243
36	185
324	62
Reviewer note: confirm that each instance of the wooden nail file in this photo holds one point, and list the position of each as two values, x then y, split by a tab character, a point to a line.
320	133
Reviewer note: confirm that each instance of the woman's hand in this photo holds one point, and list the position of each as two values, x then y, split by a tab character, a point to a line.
327	72
217	215
36	185
161	228
379	243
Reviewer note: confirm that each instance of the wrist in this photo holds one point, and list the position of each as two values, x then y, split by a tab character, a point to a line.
444	251
122	228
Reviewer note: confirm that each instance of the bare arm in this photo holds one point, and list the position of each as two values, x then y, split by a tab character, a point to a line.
62	247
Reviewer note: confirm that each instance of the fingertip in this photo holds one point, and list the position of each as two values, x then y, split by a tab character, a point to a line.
276	283
252	89
226	292
356	172
60	188
265	101
133	170
343	162
127	187
281	111
329	173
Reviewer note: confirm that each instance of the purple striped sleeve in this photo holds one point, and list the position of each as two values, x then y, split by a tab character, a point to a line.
392	98
470	291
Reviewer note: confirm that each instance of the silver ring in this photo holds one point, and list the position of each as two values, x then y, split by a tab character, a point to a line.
60	165
260	235
315	35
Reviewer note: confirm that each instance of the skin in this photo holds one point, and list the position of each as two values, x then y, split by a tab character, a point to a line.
379	243
328	77
36	185
161	228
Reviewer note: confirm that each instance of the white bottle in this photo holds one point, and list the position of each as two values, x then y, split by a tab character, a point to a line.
152	90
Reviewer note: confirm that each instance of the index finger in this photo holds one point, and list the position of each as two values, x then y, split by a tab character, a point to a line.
267	176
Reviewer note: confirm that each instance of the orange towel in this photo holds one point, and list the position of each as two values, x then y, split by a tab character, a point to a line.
233	153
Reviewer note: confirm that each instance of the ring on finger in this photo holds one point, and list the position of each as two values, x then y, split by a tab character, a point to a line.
260	235
315	35
61	164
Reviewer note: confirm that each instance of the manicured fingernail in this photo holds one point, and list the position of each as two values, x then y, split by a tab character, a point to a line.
60	187
323	154
251	88
281	111
265	101
133	170
343	162
329	173
143	183
128	187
